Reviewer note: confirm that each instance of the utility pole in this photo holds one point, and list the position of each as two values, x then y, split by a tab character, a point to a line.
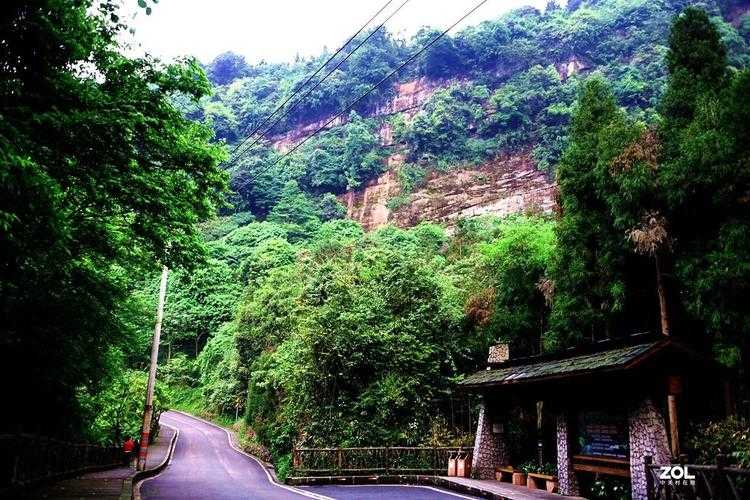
149	409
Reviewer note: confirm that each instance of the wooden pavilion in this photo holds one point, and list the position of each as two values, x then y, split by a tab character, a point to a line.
597	410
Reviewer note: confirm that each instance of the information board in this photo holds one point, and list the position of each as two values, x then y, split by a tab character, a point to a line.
602	434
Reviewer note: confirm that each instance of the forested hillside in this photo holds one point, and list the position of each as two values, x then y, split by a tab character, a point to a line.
505	86
290	319
322	334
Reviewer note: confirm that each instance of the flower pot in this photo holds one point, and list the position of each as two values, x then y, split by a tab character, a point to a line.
452	465
519	479
552	486
532	483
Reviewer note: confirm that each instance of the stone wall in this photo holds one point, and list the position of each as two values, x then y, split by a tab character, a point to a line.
566	475
648	437
489	449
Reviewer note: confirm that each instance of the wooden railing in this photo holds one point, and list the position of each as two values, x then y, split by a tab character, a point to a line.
26	459
372	460
716	482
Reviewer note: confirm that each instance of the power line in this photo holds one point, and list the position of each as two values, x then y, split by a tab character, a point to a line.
371	89
280	106
337	66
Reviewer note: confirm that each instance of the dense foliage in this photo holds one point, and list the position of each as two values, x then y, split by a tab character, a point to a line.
101	178
284	312
729	437
655	219
350	338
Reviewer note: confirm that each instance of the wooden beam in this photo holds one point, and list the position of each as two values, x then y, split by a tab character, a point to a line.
675	388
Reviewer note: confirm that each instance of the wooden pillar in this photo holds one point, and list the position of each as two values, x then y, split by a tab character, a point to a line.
674	390
540	432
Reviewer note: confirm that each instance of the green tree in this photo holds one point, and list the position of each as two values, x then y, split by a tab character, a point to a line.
102	178
588	280
705	175
294	207
514	267
199	303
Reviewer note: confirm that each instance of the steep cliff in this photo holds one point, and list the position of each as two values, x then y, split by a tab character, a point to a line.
501	186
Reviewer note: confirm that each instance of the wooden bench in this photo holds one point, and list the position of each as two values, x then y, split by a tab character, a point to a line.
504	473
537	481
613	466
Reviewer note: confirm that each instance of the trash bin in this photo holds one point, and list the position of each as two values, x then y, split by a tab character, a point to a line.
463	464
452	463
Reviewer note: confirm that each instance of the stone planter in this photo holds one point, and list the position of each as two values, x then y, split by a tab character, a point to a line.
533	483
519	479
552	486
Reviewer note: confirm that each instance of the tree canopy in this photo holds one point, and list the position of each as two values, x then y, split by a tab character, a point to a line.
102	176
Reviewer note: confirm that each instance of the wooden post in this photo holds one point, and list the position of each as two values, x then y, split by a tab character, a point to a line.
721	462
387	459
675	388
339	459
539	432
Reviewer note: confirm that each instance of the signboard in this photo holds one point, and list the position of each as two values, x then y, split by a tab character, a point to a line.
602	434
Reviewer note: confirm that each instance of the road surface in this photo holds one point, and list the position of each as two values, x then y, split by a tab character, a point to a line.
205	466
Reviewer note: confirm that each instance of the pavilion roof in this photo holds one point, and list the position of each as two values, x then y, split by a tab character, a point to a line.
608	360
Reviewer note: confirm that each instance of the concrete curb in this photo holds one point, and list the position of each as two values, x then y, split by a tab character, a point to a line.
268	468
131	488
417	480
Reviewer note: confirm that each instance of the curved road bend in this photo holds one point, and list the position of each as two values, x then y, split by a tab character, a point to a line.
205	466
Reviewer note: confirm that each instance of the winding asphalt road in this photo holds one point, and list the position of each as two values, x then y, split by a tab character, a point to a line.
206	466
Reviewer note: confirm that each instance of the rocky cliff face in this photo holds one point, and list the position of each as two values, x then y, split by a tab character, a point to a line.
504	186
408	98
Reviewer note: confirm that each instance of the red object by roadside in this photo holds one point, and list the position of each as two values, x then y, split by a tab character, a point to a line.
128	446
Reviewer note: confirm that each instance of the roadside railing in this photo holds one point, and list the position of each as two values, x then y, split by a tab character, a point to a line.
26	459
697	482
387	460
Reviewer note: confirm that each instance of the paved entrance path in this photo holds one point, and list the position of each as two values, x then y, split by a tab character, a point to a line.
206	466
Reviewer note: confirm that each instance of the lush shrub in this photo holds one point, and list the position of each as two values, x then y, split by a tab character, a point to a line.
117	411
730	437
179	371
609	488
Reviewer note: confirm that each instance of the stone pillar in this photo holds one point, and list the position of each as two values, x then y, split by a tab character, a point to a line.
648	437
489	448
565	473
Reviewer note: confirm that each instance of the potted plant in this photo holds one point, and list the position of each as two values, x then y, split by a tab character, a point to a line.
519	478
537	474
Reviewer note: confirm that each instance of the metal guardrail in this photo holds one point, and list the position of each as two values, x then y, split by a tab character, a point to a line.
26	459
372	460
697	482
